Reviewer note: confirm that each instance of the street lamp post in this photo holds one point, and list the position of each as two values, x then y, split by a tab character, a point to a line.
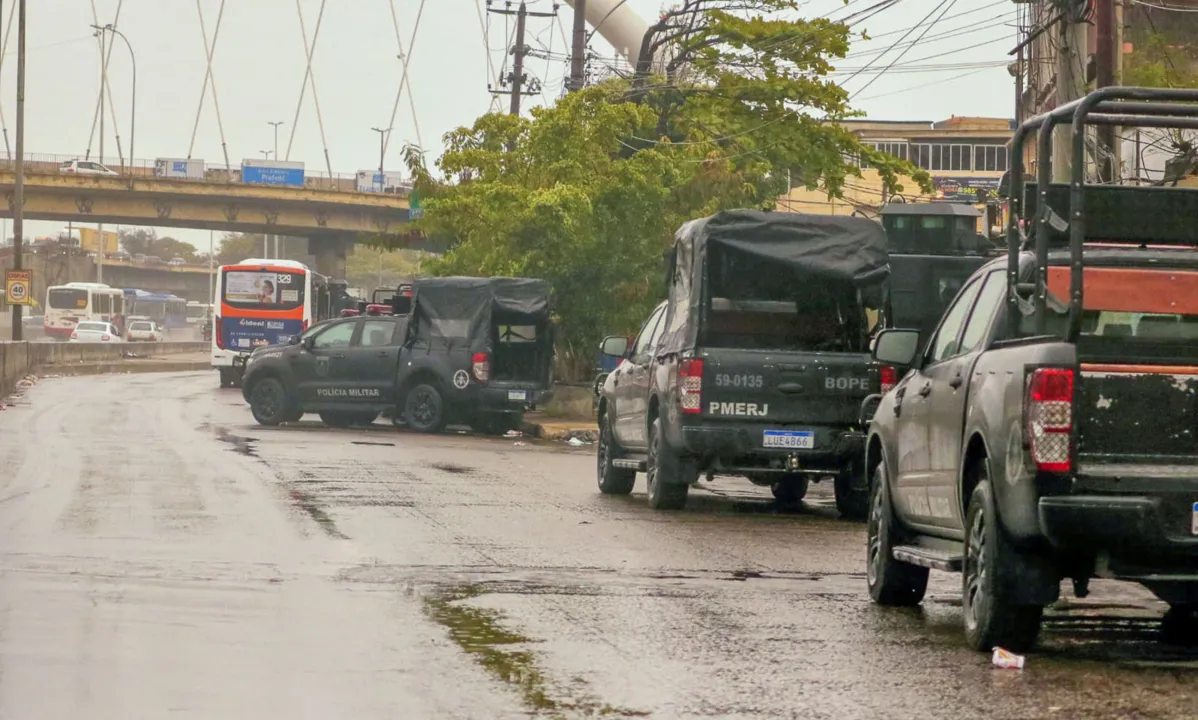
382	152
276	126
133	94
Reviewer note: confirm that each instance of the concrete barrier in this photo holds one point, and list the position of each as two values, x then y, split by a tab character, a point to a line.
18	359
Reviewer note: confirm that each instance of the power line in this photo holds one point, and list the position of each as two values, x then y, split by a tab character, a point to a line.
874	79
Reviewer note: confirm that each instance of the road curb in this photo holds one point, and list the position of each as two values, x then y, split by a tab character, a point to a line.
116	368
561	430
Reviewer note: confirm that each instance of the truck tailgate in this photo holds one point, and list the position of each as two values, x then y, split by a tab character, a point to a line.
786	387
1141	415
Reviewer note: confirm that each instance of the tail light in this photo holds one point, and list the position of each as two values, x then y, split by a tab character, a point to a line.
74	335
1048	418
105	337
153	336
303	325
220	341
690	385
481	367
889	377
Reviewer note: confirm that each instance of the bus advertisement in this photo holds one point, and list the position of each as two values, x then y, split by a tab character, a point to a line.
262	302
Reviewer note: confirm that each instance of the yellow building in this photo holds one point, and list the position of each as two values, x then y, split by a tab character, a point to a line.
966	157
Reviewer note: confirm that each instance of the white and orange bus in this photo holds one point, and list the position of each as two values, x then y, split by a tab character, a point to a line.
68	305
262	302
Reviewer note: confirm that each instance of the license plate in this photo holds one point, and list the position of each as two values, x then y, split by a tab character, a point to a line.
517	395
1194	520
796	439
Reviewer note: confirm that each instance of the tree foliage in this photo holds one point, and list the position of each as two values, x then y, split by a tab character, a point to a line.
588	193
145	241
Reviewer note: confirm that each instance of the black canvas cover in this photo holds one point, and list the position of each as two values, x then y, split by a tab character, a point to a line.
458	311
828	247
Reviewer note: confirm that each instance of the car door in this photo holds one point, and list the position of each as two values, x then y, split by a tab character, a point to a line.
372	360
949	378
632	374
319	371
913	422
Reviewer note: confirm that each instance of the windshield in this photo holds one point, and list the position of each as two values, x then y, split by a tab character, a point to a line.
68	299
263	290
757	304
196	311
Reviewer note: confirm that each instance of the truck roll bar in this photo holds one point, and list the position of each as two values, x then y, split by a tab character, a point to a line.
1122	106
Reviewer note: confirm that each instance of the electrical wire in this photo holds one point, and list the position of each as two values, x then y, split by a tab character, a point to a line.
950	4
209	78
403	80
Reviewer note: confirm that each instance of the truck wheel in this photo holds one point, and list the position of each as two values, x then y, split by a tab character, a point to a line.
790	491
892	583
612	480
663	473
268	402
226	378
852	499
294	416
1179	626
990	617
424	409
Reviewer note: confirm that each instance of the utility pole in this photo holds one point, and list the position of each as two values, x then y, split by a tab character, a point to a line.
516	78
1104	66
103	82
18	193
1072	54
276	126
579	48
382	155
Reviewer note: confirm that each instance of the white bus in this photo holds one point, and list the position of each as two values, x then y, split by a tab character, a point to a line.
262	302
197	312
68	305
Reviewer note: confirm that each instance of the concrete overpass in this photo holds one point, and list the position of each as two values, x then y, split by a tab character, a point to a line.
331	219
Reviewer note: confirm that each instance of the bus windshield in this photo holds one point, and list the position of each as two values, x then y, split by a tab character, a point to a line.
263	289
68	299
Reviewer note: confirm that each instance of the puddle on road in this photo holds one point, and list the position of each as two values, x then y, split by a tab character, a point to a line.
478	633
451	468
306	503
366	442
241	444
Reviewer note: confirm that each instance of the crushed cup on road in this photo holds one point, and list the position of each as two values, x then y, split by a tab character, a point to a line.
1007	659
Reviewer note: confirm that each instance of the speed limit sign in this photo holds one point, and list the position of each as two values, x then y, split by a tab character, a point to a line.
18	286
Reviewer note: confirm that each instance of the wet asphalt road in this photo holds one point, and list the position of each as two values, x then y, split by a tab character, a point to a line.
161	555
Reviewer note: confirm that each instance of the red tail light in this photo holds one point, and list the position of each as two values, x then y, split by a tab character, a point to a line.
74	335
889	377
303	325
1048	418
690	385
482	367
153	336
220	337
105	337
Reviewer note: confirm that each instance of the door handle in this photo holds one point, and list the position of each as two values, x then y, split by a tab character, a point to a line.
383	353
956	382
926	390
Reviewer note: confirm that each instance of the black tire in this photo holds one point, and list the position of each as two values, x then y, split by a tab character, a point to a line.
664	474
337	419
852	493
268	402
890	582
294	416
1179	626
612	480
226	378
424	409
790	491
991	619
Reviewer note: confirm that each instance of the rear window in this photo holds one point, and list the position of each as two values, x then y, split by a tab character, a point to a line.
96	326
141	326
1132	311
757	304
68	299
263	289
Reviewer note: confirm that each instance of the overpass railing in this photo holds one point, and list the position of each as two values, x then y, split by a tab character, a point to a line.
43	163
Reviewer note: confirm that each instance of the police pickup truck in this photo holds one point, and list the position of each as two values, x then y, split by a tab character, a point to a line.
1047	429
474	350
755	365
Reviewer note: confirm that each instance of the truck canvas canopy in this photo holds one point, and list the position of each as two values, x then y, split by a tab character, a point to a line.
462	311
829	252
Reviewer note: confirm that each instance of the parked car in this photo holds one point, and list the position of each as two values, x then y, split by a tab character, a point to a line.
153	260
92	331
177	262
119	255
144	331
86	167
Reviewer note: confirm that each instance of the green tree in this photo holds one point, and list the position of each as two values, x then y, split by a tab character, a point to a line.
137	241
588	193
235	247
364	266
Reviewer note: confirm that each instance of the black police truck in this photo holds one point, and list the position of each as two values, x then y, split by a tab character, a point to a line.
473	350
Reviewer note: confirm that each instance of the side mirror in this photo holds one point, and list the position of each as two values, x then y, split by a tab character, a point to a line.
897	347
614	346
295	340
309	342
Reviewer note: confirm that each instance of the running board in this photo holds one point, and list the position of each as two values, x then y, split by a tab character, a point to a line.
929	558
629	464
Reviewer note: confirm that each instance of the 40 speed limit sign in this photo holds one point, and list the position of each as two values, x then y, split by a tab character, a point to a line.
18	286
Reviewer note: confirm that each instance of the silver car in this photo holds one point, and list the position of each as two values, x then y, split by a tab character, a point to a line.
93	331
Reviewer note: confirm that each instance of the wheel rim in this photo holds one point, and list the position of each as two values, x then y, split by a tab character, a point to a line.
424	410
976	571
651	465
604	449
266	397
877	529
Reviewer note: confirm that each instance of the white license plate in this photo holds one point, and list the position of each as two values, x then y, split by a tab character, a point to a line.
1194	520
797	439
517	395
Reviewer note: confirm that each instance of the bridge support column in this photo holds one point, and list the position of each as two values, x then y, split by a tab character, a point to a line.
329	252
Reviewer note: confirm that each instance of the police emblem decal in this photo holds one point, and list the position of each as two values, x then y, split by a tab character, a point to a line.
461	379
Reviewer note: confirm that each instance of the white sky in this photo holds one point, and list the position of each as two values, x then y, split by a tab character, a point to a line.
259	65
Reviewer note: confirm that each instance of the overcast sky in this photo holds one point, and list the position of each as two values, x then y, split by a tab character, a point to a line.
259	66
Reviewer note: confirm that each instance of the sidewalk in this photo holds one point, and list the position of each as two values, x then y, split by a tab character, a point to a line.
537	424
